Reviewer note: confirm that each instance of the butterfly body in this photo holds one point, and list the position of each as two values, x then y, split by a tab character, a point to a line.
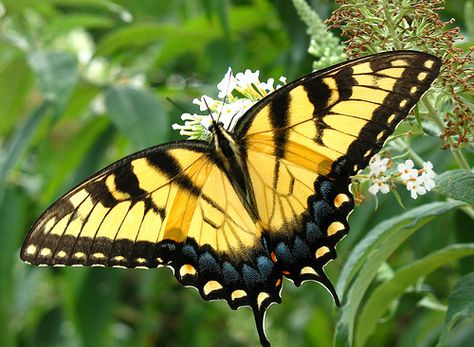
231	156
265	200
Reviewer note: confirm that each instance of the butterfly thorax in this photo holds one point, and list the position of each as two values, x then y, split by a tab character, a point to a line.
230	156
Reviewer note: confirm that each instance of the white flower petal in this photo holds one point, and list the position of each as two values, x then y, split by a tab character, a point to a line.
374	188
379	185
227	85
384	188
428	169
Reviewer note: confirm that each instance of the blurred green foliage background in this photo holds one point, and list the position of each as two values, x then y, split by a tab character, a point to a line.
86	82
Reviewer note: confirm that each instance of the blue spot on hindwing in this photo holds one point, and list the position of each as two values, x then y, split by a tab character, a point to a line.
313	233
321	210
326	188
252	277
207	264
189	252
230	273
283	253
300	249
265	266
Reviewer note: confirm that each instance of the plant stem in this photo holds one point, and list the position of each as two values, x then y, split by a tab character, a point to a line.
402	143
457	154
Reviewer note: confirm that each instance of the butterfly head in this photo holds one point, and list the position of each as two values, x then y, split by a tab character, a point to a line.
224	144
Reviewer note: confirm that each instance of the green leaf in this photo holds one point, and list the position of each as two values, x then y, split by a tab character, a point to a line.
138	114
369	254
460	305
135	35
16	80
67	159
57	74
457	184
383	296
19	141
96	6
176	39
221	9
61	25
13	222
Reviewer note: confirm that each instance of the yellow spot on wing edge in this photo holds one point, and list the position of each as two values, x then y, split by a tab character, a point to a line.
79	255
237	294
429	64
399	62
45	252
422	76
308	270
340	199
61	254
31	249
261	298
335	227
187	269
321	251
211	286
391	118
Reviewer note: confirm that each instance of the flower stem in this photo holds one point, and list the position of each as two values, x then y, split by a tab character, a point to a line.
436	117
402	143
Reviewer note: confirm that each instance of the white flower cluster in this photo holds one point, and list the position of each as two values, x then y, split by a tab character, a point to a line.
418	182
238	94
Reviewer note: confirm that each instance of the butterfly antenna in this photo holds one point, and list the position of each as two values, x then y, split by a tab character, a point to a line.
222	107
232	120
226	95
214	121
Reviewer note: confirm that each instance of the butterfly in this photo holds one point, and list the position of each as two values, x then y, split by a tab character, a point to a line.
264	200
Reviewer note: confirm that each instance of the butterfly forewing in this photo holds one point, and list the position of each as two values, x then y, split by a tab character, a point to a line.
114	209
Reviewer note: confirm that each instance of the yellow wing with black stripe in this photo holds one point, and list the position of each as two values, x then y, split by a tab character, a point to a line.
267	199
